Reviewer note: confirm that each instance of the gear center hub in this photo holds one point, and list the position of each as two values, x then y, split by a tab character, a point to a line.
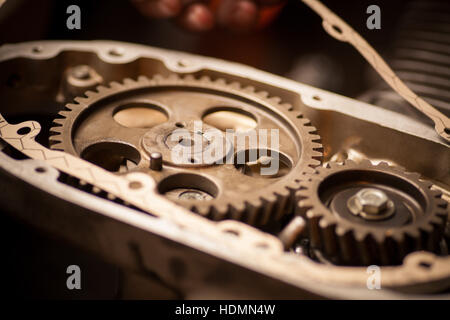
187	144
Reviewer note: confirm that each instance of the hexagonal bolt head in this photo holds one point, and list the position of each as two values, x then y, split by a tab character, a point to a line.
371	201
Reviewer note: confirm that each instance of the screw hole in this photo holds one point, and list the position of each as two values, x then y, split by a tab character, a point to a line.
40	170
37	49
179	125
232	232
262	245
116	52
337	29
425	265
317	98
135	185
24	131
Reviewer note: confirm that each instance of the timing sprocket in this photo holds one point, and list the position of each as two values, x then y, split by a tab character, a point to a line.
96	129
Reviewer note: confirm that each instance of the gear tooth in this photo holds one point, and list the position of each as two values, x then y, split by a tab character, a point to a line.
263	94
311	129
275	100
314	162
56	130
63	114
413	175
128	82
101	89
287	106
306	122
173	77
206	79
302	193
349	162
365	162
219	212
427	227
220	81
413	233
310	214
266	212
58	122
96	190
317	154
204	211
437	220
111	197
147	79
81	100
317	146
189	77
436	193
235	85
72	106
312	227
90	93
359	235
427	184
252	210
115	85
441	203
249	89
333	165
236	211
156	78
56	145
383	164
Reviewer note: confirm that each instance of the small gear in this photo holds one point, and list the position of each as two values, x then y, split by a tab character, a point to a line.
94	129
362	214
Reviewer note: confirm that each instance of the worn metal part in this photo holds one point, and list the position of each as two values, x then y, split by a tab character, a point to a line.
30	84
416	223
371	204
214	189
341	31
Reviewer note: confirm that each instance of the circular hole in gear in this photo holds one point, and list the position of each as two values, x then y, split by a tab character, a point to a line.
188	186
230	118
262	163
112	156
140	115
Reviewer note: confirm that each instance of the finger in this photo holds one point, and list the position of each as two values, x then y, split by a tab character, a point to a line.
269	2
238	15
159	8
197	17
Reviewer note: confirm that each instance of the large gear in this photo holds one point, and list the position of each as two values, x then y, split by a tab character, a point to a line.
215	191
413	216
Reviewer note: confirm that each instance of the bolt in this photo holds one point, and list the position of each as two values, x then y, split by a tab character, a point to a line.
191	195
371	203
81	72
156	161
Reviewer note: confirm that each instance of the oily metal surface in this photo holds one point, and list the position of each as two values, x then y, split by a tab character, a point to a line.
218	191
417	223
339	119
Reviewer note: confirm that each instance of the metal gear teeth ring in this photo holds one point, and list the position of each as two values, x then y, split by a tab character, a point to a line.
349	240
256	207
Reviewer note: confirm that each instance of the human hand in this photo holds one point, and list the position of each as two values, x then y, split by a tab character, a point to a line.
236	15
